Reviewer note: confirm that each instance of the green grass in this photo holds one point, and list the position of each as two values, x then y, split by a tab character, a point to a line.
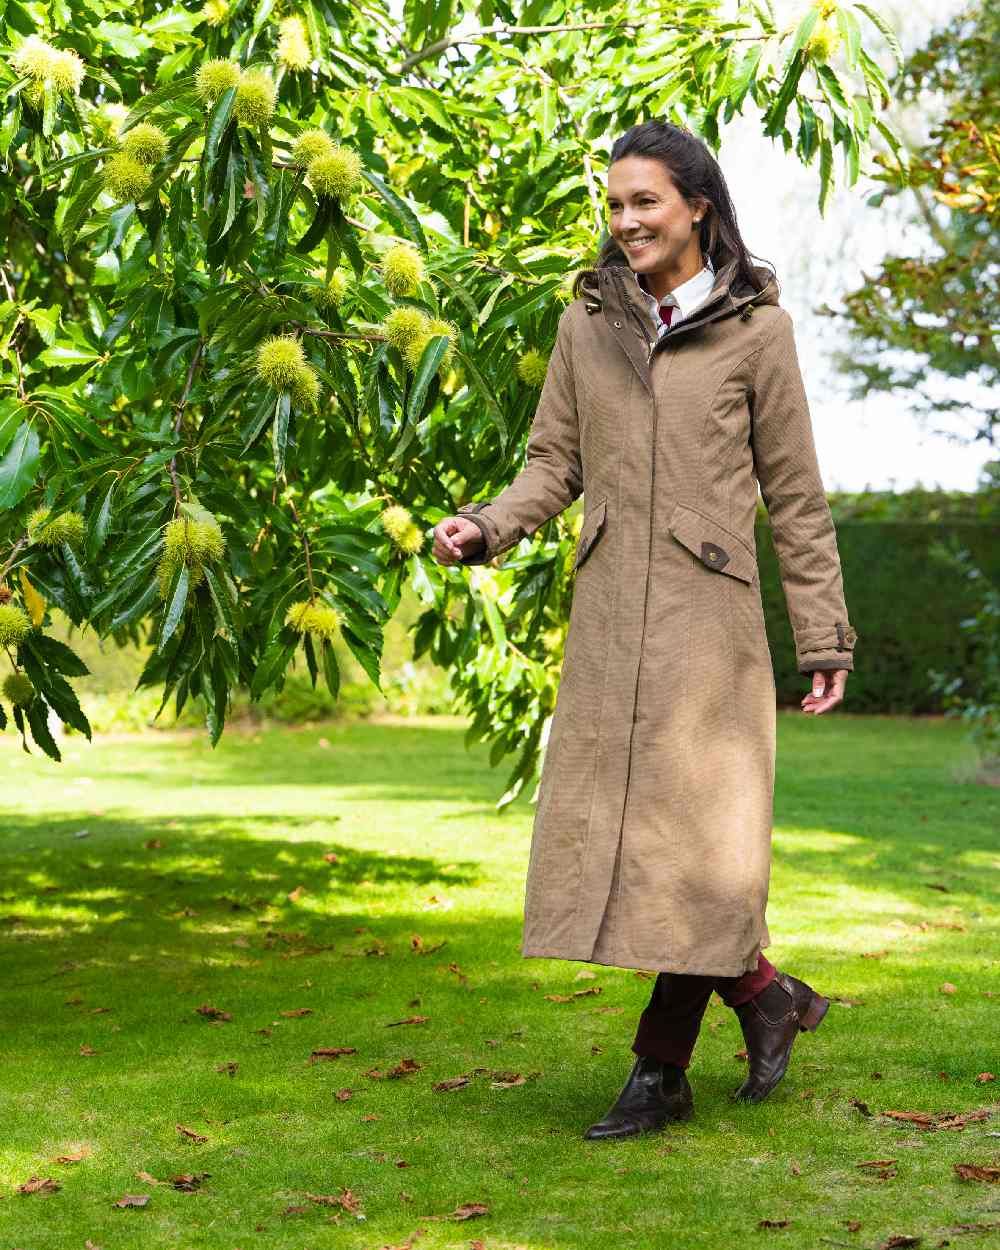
881	845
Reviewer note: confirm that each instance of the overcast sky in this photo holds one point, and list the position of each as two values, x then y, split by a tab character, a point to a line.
874	442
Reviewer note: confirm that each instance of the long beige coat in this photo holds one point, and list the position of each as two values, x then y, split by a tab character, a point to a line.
652	834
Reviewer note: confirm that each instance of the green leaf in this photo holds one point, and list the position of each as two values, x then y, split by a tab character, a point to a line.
68	356
493	409
279	434
177	598
218	120
37	714
400	210
78	208
426	372
879	21
825	172
19	467
331	669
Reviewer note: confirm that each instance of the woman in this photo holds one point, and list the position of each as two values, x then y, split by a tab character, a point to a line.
672	392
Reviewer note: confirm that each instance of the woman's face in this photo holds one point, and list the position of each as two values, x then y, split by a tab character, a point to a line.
644	206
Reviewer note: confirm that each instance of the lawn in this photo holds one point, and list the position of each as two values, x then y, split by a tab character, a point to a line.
184	929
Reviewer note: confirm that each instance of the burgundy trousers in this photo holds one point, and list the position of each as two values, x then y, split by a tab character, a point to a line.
668	1027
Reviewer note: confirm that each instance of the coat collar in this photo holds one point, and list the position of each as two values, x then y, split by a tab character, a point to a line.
615	291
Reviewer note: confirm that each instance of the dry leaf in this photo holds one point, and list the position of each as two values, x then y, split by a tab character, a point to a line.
87	1050
332	857
794	1168
405	1067
875	1163
507	1080
852	1226
39	1185
212	1013
188	1182
948	988
974	1172
231	1067
773	1223
148	1179
861	1106
73	1156
190	1133
469	1211
296	894
585	975
409	1020
132	1200
296	1012
899	1240
342	1095
453	1082
153	844
740	1054
983	1077
331	1052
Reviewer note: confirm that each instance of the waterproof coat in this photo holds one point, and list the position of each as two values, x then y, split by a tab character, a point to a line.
651	845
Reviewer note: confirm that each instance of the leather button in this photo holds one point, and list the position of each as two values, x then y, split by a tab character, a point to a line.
713	555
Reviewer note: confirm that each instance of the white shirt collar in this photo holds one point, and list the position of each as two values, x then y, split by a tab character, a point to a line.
686	297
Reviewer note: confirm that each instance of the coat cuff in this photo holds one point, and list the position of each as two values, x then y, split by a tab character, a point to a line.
484	554
826	648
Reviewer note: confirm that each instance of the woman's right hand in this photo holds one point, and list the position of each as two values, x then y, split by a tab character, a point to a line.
455	537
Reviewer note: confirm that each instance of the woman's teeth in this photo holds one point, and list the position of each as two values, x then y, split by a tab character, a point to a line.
636	245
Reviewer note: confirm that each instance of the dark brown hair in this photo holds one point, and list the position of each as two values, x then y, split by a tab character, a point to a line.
695	173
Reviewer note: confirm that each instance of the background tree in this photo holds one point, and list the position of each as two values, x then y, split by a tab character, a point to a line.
281	282
928	324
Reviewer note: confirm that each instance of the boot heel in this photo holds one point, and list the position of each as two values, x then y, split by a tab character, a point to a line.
814	1013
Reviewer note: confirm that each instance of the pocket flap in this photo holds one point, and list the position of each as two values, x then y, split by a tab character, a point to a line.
592	528
715	546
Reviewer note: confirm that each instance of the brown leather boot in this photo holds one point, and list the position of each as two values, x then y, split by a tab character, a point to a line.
770	1024
654	1095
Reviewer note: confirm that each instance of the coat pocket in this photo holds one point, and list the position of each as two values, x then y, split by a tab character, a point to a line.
717	547
590	532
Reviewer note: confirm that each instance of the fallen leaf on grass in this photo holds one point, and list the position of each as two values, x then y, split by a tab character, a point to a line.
189	1182
73	1156
346	1199
409	1020
420	947
852	1226
99	1011
974	1172
231	1067
296	894
342	1095
773	1223
190	1133
874	954
795	1168
296	1012
212	1013
467	1211
937	1119
585	975
332	857
453	1082
153	844
861	1106
568	998
983	1077
740	1054
87	1050
899	1240
39	1185
847	1002
148	1179
370	1117
948	988
132	1200
331	1052
404	1068
882	1169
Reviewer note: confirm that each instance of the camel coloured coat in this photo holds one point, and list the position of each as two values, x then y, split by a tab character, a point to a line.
651	845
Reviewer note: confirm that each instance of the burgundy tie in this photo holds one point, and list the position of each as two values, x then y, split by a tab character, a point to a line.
666	312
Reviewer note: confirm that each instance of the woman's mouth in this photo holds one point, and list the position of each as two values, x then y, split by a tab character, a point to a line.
640	242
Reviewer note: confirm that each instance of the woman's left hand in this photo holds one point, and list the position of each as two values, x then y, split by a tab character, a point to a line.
827	690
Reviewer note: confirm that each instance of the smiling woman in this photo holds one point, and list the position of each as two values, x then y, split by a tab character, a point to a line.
652	836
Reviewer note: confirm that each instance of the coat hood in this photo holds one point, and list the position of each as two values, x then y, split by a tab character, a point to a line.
615	289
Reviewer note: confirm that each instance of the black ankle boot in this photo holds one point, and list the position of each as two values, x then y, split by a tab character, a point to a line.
770	1023
654	1095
